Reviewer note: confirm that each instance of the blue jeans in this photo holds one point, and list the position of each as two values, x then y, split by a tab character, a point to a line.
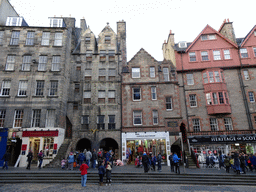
159	166
5	165
93	164
88	163
40	163
83	180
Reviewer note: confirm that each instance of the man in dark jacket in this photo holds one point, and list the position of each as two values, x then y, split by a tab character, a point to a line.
94	158
171	162
145	162
6	158
159	161
30	157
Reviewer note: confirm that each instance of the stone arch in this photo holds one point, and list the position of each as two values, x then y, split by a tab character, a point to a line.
83	143
109	144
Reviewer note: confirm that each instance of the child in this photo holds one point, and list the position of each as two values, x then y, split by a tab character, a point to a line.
108	173
101	173
63	163
83	169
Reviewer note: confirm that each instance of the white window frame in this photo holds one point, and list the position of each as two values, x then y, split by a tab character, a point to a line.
50	118
228	124
135	72
246	74
204	56
15	38
168	103
39	88
133	93
208	37
152	72
205	77
244	53
23	86
36	117
254	50
155	117
166	74
196	125
30	38
46	38
6	88
137	114
216	55
153	93
56	63
10	62
192	56
226	54
2	117
56	22
53	91
26	62
192	100
18	118
251	96
214	124
190	79
43	60
208	98
58	39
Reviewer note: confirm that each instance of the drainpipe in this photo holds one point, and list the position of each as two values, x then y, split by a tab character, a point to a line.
247	110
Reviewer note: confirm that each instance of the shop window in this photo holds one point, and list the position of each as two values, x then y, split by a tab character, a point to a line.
135	72
5	89
190	79
168	103
23	86
15	38
196	125
87	96
244	53
166	74
50	118
251	97
111	96
137	117
39	88
10	63
152	71
54	88
45	38
36	116
48	146
153	93
111	122
58	39
26	63
42	63
102	74
88	74
101	122
56	63
192	56
2	117
85	121
228	124
155	117
214	124
192	100
30	38
136	94
18	118
101	96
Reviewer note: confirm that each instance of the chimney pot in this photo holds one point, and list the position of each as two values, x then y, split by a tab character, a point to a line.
170	31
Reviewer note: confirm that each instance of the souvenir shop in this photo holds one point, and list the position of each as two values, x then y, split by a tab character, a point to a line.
135	143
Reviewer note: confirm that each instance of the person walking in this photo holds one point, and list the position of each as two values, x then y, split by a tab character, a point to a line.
176	160
102	172
108	173
6	158
94	158
159	161
237	162
154	160
40	158
83	168
81	158
88	156
242	162
171	162
71	160
145	162
29	158
63	163
227	163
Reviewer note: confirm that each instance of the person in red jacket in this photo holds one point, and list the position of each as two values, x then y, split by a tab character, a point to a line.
83	169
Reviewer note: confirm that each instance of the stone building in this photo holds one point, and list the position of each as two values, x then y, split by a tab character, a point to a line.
94	106
6	10
217	88
151	113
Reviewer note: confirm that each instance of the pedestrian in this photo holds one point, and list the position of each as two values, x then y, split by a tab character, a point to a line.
63	163
145	162
242	162
108	157
236	162
154	160
94	158
83	168
249	162
71	160
176	160
88	156
159	162
6	158
253	161
171	162
108	173
227	163
29	158
40	158
100	157
81	158
102	172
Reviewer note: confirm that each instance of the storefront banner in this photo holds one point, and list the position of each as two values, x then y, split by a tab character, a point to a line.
145	135
223	139
40	133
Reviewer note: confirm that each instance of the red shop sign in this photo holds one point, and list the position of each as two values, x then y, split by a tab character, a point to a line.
40	133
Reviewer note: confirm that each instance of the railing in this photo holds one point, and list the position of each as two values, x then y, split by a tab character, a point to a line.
194	157
233	132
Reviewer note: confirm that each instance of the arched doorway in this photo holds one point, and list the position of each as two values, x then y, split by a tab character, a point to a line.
83	144
175	148
109	144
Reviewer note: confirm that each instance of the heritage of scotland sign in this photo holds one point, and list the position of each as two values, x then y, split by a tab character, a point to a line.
223	139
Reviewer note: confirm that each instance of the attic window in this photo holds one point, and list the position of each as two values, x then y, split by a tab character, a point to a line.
182	44
107	39
87	40
208	37
56	22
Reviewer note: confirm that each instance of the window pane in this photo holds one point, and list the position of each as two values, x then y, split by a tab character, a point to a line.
135	72
18	118
155	117
196	125
2	117
205	77
152	72
228	124
192	56
58	39
204	55
216	55
36	114
50	118
166	74
215	99
136	94
42	63
45	38
168	101
214	124
192	100
190	79
137	118
153	93
226	54
30	38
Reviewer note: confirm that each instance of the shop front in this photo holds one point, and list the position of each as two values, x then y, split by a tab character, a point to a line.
135	143
47	140
224	144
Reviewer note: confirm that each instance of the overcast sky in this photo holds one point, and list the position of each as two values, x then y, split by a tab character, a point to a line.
148	22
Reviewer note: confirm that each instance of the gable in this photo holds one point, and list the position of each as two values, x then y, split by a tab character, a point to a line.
142	55
250	39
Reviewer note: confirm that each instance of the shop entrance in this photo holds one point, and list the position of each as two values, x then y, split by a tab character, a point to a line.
34	144
83	144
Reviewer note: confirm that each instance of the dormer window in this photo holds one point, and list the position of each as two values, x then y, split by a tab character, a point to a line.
182	44
15	21
54	22
107	39
208	37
